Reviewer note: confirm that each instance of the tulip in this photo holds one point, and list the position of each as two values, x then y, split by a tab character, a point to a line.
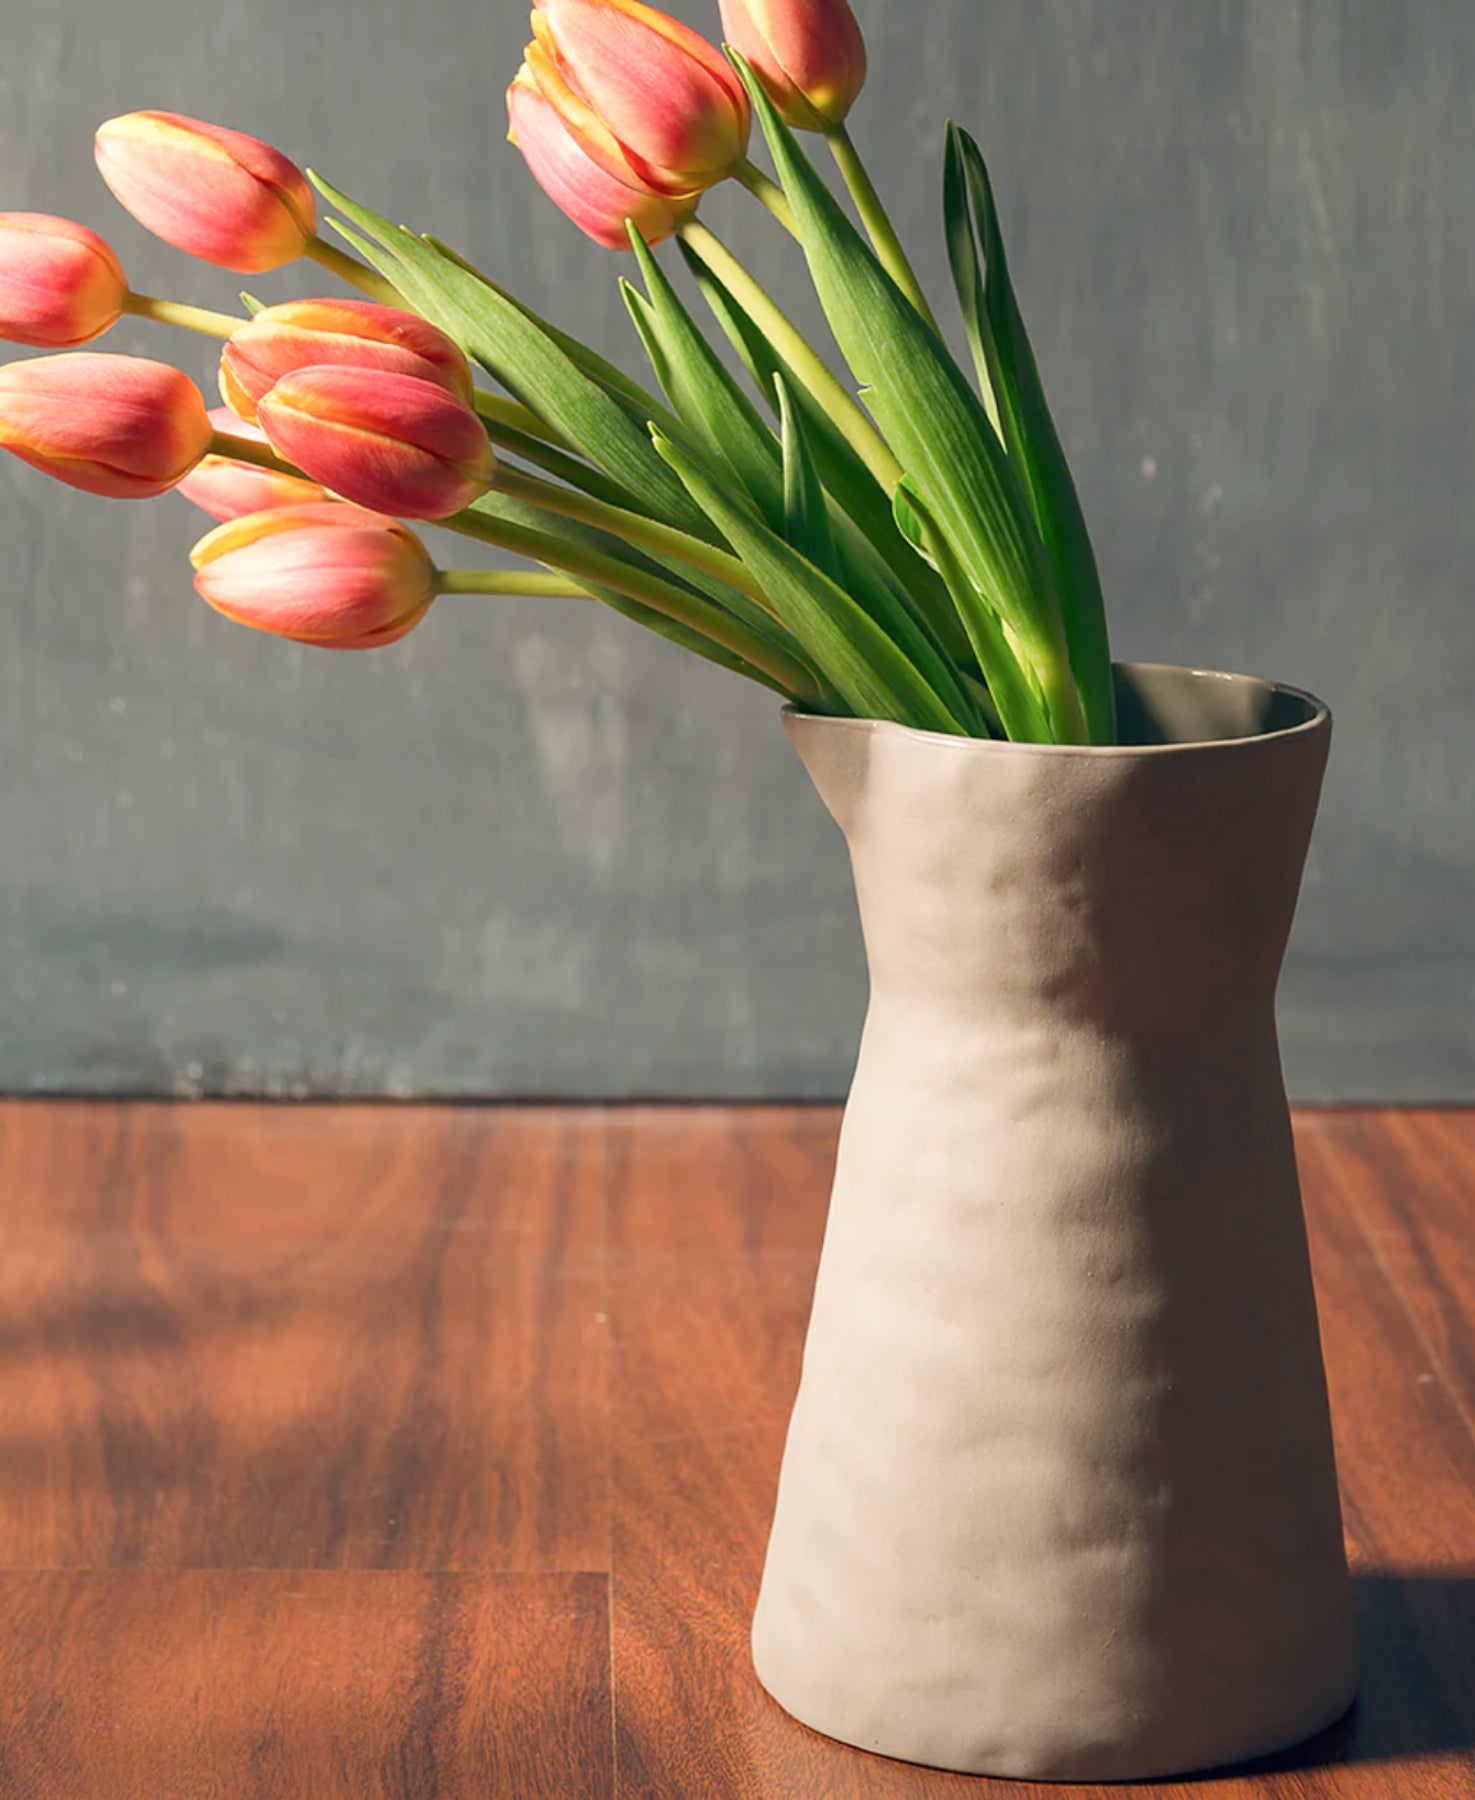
227	489
328	574
393	443
649	100
60	285
224	197
113	425
310	333
597	202
809	55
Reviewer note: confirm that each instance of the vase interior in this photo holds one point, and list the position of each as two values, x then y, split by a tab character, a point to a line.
1161	705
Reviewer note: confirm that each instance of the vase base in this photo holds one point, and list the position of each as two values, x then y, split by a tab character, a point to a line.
1048	1762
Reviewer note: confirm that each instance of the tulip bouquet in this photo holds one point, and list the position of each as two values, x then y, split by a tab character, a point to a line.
904	545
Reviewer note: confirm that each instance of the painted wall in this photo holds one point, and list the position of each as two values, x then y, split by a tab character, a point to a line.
532	851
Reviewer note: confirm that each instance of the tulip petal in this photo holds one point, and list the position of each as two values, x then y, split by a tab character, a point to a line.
664	92
356	333
233	490
218	194
393	443
809	54
599	204
331	575
60	284
119	426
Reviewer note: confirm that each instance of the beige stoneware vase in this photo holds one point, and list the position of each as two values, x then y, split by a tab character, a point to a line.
1059	1498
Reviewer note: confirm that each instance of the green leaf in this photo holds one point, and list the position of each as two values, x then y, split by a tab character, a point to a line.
527	516
714	409
932	419
543	534
522	356
863	509
844	644
1008	372
721	418
639	402
806	515
1020	709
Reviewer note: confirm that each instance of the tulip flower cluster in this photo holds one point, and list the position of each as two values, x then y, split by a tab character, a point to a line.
899	539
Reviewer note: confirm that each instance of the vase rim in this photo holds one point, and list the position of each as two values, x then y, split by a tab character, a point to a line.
1318	718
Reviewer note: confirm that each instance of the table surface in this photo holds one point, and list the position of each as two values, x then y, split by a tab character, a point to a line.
428	1453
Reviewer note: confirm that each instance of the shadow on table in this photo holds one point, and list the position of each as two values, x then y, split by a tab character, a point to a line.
1417	1696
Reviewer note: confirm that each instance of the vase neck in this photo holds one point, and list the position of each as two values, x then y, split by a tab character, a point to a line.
1138	891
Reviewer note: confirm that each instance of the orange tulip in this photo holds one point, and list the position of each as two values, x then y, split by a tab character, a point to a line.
60	284
112	425
809	55
311	333
227	489
329	574
648	99
393	443
224	197
599	203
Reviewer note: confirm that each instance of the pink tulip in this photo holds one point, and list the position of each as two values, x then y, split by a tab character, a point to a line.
310	333
809	55
648	99
60	285
227	489
224	197
112	425
393	443
597	202
329	574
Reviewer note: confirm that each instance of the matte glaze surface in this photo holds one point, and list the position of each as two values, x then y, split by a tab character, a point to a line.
1059	1497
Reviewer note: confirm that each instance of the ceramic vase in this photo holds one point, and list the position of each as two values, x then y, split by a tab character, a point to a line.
1059	1499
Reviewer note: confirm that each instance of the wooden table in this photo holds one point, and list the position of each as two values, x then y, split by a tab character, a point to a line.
428	1452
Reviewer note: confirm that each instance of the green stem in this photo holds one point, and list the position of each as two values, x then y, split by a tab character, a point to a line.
348	268
247	450
795	349
188	318
634	528
584	564
763	187
528	582
874	217
763	662
1062	696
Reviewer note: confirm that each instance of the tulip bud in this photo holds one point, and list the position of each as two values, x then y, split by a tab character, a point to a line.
227	489
60	285
311	333
329	574
112	425
393	443
808	54
648	99
599	204
224	197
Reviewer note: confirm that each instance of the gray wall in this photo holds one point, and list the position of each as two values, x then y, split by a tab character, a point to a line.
532	851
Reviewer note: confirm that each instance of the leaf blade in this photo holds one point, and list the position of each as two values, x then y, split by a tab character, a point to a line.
1009	373
849	650
932	419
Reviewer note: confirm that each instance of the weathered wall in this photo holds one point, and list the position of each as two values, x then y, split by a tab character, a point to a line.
533	852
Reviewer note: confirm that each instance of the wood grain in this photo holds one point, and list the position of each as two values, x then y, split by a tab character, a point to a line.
131	1685
431	1452
316	1338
